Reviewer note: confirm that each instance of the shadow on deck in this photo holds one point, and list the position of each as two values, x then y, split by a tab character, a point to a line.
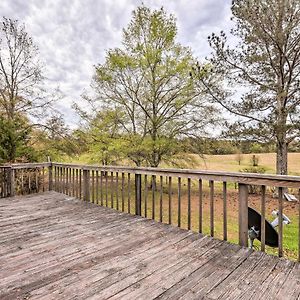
56	247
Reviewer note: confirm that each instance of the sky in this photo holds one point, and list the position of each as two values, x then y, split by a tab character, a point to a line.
74	35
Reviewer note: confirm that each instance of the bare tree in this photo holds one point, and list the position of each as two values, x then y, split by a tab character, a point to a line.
21	92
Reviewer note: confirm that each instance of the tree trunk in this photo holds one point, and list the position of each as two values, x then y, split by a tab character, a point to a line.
281	157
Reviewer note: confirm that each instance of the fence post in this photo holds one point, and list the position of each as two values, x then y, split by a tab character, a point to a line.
243	215
11	180
138	194
50	178
86	185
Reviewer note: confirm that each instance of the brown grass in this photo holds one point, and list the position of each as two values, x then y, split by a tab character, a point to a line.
230	163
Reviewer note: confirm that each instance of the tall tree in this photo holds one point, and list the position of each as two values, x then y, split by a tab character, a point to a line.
266	63
148	79
20	80
55	140
104	139
15	140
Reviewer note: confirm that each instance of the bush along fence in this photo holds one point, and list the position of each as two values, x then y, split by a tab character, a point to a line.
202	201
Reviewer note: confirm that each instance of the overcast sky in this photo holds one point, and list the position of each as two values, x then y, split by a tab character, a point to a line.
73	35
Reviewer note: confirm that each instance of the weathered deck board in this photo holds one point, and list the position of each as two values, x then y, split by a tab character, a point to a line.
56	247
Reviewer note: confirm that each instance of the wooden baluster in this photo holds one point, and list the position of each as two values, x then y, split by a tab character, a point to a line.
54	184
62	180
12	180
86	185
263	218
70	182
179	202
211	202
112	189
36	180
243	215
73	182
299	225
224	211
280	219
200	204
72	192
128	190
1	182
93	186
4	174
123	191
76	183
189	204
4	185
65	180
138	194
22	181
58	179
101	187
153	196
80	183
117	189
29	182
146	196
97	187
43	176
66	176
161	200
106	188
170	200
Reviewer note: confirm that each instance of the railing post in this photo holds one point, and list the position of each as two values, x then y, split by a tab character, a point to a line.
243	215
11	175
138	194
50	178
86	185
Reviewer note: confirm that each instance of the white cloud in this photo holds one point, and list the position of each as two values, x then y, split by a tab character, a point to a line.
73	35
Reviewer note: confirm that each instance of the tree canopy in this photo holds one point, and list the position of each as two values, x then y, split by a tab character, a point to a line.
148	80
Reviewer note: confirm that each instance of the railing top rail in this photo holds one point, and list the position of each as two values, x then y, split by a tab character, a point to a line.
26	165
246	178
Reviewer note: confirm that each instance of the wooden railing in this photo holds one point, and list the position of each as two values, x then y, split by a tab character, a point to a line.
23	179
202	201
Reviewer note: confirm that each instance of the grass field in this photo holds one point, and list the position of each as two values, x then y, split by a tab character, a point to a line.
220	162
230	163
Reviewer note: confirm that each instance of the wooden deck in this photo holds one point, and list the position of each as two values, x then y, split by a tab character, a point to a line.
56	247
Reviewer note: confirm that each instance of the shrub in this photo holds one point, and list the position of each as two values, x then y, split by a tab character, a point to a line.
254	189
